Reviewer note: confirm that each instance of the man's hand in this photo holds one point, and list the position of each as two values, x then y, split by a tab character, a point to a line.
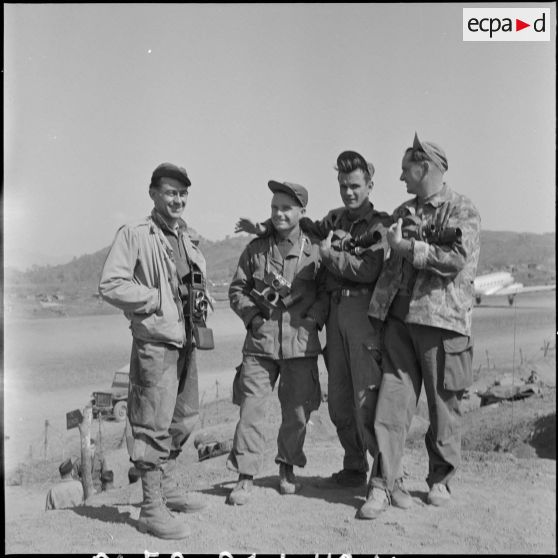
248	226
397	243
394	234
257	321
325	245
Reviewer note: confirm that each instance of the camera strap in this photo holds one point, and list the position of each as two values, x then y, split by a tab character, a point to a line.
269	253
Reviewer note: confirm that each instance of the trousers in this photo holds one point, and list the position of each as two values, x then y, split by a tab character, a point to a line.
299	394
162	410
441	360
352	357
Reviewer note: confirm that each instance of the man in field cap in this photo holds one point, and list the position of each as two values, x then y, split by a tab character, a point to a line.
424	301
277	292
352	352
68	492
149	274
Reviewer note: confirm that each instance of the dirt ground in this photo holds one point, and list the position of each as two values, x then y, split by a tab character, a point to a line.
504	495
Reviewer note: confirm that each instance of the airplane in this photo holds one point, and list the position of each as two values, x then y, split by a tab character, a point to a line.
502	283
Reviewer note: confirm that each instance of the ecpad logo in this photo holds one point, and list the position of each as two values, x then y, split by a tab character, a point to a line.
506	24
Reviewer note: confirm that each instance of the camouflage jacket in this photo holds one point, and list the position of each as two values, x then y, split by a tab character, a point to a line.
443	291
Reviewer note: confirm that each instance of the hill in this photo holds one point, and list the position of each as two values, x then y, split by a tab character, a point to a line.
531	257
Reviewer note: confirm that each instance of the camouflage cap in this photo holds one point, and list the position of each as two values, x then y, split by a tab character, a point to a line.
434	152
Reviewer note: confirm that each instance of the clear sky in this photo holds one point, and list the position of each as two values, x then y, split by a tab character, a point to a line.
97	95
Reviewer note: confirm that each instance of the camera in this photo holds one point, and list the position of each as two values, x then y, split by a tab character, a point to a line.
413	227
192	294
276	295
278	283
355	245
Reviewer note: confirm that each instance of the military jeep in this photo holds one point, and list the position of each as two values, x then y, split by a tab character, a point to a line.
112	403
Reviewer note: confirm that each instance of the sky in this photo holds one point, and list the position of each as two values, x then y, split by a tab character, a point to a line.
97	95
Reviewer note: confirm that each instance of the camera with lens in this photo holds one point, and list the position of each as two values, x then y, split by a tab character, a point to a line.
194	299
413	227
195	304
354	245
276	295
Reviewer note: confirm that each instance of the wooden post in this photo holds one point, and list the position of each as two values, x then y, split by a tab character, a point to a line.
46	439
86	468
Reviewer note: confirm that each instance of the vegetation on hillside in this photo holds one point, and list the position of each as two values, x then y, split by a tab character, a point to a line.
531	257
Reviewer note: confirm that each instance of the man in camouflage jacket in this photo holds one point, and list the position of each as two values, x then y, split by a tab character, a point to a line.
424	298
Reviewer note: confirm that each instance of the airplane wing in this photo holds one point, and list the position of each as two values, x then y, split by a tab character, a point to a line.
518	288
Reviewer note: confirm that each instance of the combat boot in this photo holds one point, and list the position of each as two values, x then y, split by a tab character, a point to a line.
377	502
242	491
287	480
176	498
155	518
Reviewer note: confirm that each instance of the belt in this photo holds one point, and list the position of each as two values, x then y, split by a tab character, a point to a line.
353	292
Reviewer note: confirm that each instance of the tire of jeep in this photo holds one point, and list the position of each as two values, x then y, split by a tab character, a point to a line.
120	410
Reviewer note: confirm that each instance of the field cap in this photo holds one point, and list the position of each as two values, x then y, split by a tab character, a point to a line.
296	191
66	467
434	152
168	170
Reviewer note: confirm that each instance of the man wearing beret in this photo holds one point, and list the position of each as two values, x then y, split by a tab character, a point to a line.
68	492
424	298
352	352
148	274
277	293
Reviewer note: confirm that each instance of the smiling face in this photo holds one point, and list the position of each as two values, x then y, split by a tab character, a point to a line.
169	199
354	188
285	213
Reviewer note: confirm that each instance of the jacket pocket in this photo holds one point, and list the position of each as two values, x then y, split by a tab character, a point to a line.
458	363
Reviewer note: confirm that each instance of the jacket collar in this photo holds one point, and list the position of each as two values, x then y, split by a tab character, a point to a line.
163	225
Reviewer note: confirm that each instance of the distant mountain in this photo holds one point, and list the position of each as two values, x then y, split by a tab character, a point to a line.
499	249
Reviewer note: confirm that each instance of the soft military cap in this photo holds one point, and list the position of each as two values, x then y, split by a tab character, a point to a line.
296	191
168	170
435	153
66	467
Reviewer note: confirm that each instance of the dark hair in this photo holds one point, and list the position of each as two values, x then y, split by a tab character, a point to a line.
349	161
155	183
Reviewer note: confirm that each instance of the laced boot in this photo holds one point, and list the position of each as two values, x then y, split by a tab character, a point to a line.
400	496
287	480
155	518
242	491
377	502
176	498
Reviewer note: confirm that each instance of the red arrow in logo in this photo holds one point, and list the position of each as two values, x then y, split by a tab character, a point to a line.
519	25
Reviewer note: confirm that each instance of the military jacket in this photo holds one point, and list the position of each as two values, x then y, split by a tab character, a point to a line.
288	333
443	290
139	277
346	270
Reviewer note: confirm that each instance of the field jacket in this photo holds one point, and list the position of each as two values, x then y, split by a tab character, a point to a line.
139	277
288	333
443	291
